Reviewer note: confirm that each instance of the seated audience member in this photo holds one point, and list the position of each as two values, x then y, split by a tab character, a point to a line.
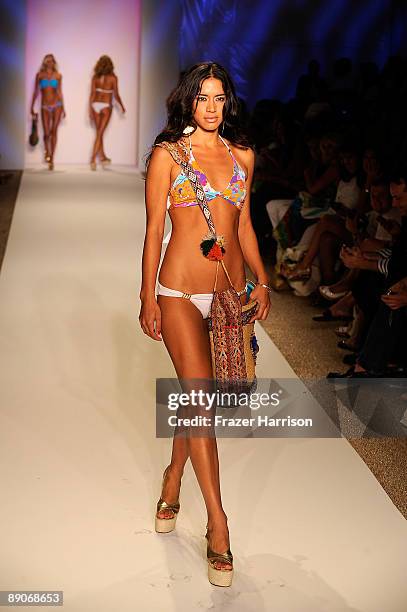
383	224
290	218
280	164
262	131
389	321
384	220
333	222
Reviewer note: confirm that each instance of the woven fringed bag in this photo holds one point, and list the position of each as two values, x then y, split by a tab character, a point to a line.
233	341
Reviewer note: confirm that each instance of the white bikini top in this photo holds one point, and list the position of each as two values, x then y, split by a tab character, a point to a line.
103	90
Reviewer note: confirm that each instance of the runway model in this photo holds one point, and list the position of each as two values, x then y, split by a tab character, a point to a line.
103	87
201	108
49	81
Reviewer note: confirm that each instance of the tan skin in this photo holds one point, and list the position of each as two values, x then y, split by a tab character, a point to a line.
49	96
101	120
176	320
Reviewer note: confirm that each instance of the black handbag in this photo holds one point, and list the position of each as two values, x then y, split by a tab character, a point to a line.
33	140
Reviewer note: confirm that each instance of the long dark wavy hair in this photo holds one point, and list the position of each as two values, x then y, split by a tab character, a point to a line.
182	102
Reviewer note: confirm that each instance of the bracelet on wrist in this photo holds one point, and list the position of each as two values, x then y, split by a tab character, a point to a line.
264	285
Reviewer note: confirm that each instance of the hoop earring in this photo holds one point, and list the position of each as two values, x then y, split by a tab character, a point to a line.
223	127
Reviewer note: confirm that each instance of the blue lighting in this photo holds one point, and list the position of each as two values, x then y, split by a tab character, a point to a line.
266	45
12	59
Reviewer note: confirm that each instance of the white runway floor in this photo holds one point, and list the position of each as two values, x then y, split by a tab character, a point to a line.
311	529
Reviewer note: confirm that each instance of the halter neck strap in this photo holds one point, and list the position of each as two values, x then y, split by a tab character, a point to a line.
224	142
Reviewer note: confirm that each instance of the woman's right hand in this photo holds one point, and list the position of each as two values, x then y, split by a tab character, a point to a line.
150	318
352	225
390	225
34	115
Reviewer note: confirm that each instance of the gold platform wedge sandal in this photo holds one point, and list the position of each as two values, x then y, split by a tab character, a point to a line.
165	525
219	577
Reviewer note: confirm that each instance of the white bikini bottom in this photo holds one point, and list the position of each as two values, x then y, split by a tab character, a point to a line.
202	301
97	106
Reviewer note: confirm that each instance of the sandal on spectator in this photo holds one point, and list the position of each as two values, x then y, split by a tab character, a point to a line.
349	374
298	275
340	374
342	344
279	283
342	332
327	315
326	292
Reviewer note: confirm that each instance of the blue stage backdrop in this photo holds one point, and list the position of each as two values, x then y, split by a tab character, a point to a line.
12	103
266	44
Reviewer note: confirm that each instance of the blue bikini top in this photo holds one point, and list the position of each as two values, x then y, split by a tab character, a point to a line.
48	83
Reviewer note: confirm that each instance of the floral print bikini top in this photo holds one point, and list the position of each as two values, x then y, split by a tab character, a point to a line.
182	194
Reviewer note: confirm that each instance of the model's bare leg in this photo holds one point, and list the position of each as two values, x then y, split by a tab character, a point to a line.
186	337
172	482
104	118
56	119
96	120
46	125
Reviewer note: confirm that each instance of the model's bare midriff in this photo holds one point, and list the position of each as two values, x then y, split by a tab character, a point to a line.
49	94
184	267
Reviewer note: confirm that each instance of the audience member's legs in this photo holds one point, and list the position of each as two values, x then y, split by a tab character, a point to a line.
384	332
332	224
328	256
344	306
346	282
367	291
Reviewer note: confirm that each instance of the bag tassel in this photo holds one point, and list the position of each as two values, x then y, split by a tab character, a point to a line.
212	247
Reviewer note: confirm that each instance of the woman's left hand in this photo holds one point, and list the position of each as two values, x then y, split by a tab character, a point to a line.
260	295
395	300
352	258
